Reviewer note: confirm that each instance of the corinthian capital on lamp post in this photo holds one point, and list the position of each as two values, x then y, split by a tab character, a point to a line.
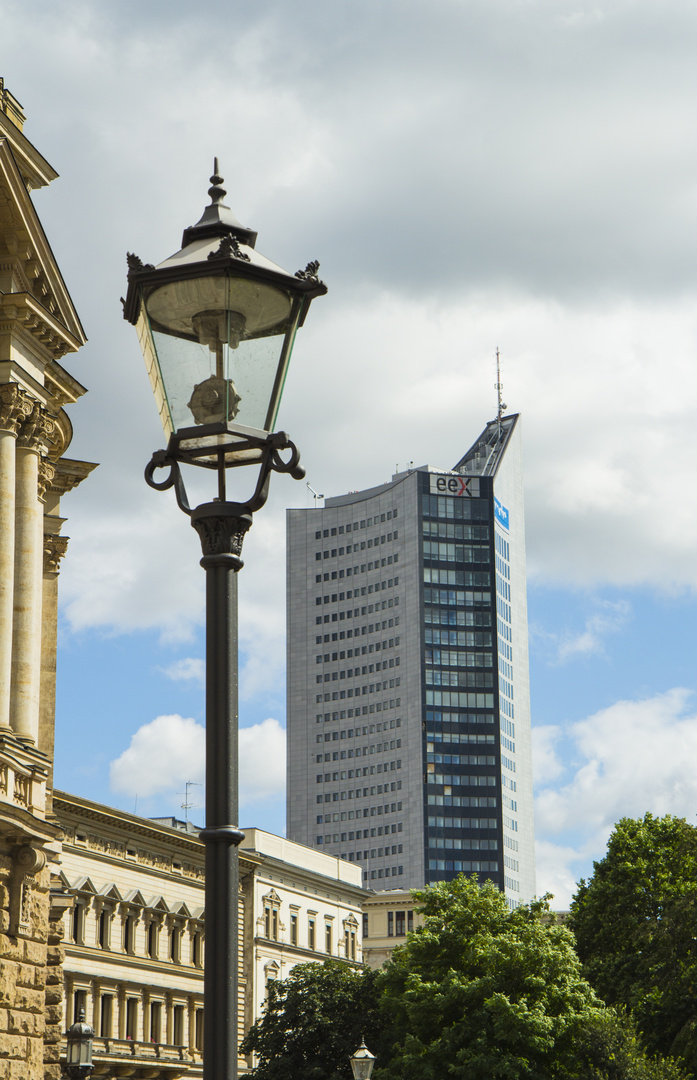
216	323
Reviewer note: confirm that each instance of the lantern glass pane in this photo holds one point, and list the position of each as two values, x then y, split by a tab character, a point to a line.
217	363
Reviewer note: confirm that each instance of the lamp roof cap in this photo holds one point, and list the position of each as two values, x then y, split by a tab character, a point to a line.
217	218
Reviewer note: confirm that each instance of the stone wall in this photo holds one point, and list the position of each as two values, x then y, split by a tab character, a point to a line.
23	972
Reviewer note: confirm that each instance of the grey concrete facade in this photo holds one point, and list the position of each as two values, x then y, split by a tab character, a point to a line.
406	756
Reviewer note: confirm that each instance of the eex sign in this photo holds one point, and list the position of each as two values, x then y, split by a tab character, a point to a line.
455	485
501	513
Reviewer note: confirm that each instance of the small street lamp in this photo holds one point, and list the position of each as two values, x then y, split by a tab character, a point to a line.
78	1060
216	323
362	1062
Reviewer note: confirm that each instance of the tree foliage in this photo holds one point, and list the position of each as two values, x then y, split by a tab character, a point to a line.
483	992
477	992
635	923
313	1021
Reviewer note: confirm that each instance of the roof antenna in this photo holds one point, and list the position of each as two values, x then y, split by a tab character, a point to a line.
498	386
186	805
316	494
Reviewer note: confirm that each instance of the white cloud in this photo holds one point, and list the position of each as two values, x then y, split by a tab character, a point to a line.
555	875
609	618
169	751
262	762
162	756
546	764
188	669
630	758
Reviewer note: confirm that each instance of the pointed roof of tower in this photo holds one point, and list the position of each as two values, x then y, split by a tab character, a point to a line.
484	455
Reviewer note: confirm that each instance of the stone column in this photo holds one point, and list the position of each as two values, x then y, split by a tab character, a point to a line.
28	577
14	408
169	1023
146	1016
55	547
95	1007
120	1020
191	1008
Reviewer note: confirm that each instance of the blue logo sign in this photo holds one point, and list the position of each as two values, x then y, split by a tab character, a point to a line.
501	513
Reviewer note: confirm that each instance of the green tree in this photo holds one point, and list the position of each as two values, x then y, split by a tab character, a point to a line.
483	992
476	993
635	923
609	1049
313	1021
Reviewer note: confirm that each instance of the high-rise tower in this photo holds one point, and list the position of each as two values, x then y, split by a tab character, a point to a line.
408	689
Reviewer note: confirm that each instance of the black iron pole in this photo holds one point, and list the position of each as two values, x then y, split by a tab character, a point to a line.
221	527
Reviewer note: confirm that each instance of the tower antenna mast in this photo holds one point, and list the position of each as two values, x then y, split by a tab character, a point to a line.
499	389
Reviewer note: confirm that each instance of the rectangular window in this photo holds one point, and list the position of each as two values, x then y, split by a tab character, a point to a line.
271	922
104	929
399	923
328	937
106	1013
390	924
78	924
294	929
153	939
178	1026
156	1021
197	950
79	1004
129	934
311	934
132	1018
199	1030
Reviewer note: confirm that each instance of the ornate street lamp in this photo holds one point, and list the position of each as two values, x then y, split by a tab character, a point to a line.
78	1060
362	1062
216	323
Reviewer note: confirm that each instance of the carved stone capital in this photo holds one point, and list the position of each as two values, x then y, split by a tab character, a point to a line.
47	470
55	548
36	430
15	406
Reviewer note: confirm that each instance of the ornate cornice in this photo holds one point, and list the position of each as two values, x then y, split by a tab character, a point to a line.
33	315
69	474
15	406
55	548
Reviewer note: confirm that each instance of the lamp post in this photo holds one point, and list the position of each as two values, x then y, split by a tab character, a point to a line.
362	1062
78	1058
216	323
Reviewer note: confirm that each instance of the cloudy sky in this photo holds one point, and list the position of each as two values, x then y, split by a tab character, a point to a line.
470	174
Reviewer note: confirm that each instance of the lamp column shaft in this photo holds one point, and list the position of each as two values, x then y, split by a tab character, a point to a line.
221	532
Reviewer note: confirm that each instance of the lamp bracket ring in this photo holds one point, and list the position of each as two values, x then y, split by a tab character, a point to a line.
162	460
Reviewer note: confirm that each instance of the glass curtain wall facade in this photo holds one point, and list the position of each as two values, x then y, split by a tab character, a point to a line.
408	699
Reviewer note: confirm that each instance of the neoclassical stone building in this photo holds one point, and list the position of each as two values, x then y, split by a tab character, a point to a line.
134	939
38	328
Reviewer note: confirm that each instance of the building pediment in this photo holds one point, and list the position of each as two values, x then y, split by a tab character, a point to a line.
111	892
83	885
158	903
28	269
135	897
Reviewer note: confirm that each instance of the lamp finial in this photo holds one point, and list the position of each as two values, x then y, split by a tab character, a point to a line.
216	192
